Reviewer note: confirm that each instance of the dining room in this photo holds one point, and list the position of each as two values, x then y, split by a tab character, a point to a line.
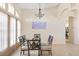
38	29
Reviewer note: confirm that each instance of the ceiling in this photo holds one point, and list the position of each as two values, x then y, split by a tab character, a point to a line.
35	5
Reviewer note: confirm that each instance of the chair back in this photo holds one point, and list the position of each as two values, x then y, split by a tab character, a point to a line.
34	44
37	36
22	40
50	39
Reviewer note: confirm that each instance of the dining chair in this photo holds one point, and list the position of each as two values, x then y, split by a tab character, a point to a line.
34	45
47	47
23	44
37	36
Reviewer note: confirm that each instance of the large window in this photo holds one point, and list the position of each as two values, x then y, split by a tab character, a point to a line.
2	5
16	14
12	31
3	31
10	9
9	28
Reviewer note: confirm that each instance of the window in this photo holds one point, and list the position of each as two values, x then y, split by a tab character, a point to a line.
2	5
10	9
12	31
3	31
16	14
18	29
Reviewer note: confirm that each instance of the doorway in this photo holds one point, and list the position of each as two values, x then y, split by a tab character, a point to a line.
69	34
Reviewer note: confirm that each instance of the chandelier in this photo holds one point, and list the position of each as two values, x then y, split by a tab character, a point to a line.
40	14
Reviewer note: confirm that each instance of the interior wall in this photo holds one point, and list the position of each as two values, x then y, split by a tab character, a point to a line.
54	26
76	27
56	20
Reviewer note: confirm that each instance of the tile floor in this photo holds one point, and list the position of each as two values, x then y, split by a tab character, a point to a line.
57	50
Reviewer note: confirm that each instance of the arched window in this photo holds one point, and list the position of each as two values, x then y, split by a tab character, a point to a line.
10	9
16	14
2	5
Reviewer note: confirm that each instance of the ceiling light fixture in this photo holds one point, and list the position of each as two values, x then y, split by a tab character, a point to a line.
40	14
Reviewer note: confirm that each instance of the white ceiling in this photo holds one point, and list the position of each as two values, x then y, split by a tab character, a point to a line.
35	5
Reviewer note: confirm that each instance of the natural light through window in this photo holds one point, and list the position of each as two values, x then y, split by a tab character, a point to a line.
2	5
12	31
10	9
18	29
3	31
16	14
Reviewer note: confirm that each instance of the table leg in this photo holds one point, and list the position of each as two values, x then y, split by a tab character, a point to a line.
28	53
39	52
23	52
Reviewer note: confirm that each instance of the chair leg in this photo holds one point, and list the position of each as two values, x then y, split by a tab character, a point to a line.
50	53
28	53
20	53
41	52
23	52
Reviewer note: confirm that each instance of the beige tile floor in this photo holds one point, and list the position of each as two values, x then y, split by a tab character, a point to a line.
58	50
65	50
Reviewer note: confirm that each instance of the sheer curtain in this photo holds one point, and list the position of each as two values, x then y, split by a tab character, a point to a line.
12	31
3	31
18	29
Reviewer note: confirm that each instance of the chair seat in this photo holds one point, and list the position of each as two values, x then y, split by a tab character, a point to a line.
24	48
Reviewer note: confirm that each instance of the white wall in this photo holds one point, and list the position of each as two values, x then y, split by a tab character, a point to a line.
56	20
76	27
54	25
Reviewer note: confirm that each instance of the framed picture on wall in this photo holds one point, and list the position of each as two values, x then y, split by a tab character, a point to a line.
39	25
